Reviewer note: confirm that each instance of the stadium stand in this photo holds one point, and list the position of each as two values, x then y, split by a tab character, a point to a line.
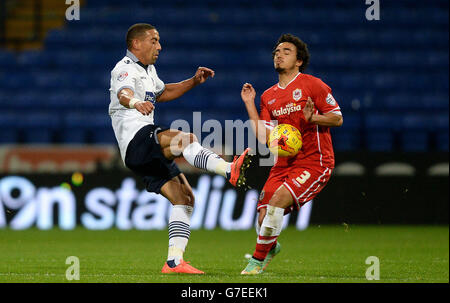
389	76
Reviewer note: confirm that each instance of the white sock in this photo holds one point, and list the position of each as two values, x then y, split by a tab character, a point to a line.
179	231
203	158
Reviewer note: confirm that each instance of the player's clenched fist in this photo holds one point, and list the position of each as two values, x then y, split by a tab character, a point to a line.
144	107
202	74
248	93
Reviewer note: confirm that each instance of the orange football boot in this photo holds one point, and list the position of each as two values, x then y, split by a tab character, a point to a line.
237	175
182	268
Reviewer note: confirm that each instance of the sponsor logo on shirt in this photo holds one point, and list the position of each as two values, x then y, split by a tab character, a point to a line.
150	96
287	110
122	76
330	100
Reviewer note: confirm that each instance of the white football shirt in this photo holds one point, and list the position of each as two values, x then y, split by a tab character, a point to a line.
144	82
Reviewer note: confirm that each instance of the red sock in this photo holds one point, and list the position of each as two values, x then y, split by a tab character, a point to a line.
263	248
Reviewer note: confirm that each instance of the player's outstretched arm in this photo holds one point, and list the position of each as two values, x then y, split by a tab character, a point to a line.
126	98
248	95
175	90
330	119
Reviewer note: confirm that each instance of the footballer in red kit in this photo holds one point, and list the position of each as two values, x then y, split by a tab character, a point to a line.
306	103
312	166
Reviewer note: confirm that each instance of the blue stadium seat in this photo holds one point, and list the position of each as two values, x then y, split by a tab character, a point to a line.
380	140
391	80
436	101
91	126
348	136
34	119
65	99
415	141
34	58
103	136
9	136
18	80
344	140
7	59
440	121
381	121
8	132
8	118
73	136
94	99
86	119
415	121
166	116
442	141
42	136
38	127
50	79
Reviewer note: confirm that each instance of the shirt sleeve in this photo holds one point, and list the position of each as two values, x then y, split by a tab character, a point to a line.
264	115
123	78
160	86
323	99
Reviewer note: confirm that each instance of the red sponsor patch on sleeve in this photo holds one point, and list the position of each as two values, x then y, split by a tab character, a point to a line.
122	76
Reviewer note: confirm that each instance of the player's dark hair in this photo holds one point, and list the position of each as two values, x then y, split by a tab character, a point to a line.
302	49
136	31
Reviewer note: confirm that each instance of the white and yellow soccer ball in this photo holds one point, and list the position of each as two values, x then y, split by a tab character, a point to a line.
285	140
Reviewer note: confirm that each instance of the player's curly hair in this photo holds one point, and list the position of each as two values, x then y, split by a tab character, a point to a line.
302	49
136	31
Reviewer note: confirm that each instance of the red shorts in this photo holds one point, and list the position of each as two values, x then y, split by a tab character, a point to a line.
304	183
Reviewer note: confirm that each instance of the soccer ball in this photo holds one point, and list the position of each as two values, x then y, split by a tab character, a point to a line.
285	140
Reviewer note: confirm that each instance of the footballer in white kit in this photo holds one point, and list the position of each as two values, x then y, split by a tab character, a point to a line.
149	150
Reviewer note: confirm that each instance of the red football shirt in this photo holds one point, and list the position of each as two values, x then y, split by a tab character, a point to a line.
286	106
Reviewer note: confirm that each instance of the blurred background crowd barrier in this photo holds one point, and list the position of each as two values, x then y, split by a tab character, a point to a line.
390	77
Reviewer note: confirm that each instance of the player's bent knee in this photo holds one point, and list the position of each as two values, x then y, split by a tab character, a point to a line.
192	138
186	139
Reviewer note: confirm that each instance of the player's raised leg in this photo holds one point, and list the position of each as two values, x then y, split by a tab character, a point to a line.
175	143
179	193
269	231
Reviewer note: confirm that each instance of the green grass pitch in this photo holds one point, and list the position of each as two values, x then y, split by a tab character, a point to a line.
318	254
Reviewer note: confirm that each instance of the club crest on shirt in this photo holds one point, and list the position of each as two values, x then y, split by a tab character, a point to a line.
297	94
122	76
330	100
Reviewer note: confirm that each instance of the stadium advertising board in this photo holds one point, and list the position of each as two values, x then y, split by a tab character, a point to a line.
65	201
364	189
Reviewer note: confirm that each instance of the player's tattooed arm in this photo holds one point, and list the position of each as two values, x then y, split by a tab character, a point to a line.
175	90
329	119
126	98
248	95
